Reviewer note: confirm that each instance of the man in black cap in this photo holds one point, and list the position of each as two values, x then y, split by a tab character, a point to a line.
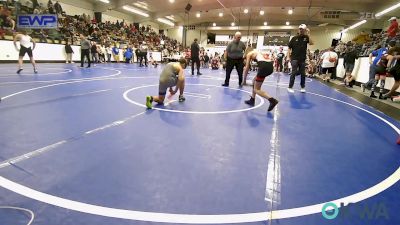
297	56
195	52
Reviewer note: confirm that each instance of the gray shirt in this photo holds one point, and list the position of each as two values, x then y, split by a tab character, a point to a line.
85	44
169	73
235	50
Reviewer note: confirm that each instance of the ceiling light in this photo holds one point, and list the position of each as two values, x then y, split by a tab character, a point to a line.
171	1
134	10
170	17
246	10
197	15
214	24
287	23
142	5
262	12
165	21
221	14
105	1
354	26
290	11
388	10
265	23
232	24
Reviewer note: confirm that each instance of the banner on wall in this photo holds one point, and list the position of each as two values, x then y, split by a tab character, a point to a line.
221	43
36	21
224	40
276	38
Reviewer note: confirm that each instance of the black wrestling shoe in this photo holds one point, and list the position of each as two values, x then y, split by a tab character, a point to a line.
250	102
272	103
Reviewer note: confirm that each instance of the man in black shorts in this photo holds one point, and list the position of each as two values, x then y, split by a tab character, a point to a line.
265	68
25	47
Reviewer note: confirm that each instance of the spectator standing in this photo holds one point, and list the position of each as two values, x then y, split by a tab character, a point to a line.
280	56
349	60
393	28
329	59
95	53
115	51
68	51
109	53
58	8
378	53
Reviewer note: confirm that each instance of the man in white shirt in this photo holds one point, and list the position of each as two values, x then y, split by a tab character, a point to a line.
329	59
25	47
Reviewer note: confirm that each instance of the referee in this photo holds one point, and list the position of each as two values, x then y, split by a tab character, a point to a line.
85	50
195	56
234	58
297	57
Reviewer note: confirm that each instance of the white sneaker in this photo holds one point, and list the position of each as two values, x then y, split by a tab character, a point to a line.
290	90
303	90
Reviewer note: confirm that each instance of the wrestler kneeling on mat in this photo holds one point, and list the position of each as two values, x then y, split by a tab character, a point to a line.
265	68
172	75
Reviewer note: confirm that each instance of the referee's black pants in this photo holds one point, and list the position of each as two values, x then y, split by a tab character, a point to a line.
197	61
230	64
85	53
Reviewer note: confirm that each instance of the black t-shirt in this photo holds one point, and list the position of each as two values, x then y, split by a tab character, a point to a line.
350	57
194	50
68	49
280	56
298	44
